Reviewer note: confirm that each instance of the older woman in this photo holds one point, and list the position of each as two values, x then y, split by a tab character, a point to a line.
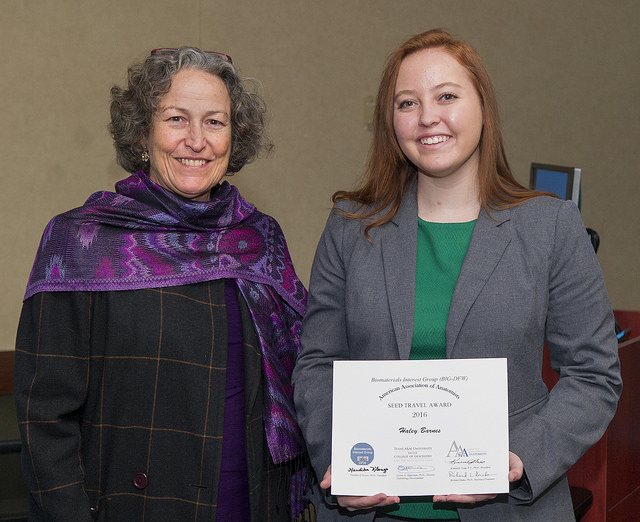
443	254
161	321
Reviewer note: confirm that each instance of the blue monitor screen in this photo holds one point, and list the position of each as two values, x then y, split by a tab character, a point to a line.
552	181
564	182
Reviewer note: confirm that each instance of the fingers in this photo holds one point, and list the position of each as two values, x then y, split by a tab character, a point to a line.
325	483
516	467
352	503
355	503
463	499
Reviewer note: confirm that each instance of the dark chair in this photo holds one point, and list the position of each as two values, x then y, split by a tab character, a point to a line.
582	499
14	497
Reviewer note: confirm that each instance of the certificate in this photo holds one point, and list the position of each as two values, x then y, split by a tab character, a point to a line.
420	427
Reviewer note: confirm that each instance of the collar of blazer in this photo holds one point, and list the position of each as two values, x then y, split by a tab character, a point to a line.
398	243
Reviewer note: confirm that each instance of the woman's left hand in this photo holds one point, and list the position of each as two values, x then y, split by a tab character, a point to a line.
516	469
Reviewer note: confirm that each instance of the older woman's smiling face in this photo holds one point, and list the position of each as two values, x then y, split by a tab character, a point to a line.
190	137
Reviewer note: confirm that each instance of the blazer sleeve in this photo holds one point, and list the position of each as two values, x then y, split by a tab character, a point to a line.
51	368
324	340
583	349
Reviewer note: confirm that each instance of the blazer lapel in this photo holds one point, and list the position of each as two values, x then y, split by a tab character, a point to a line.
490	238
399	243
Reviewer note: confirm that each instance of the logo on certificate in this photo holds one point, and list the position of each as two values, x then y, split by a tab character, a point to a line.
362	454
457	450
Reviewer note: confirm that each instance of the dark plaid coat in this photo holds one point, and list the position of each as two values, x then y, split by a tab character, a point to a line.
120	399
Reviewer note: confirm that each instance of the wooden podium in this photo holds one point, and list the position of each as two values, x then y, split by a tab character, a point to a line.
611	468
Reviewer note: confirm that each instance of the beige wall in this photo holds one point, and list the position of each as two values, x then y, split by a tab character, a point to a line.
567	75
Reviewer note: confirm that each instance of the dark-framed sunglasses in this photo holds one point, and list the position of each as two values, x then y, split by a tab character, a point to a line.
169	50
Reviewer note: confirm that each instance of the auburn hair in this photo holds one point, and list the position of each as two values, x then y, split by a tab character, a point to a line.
388	169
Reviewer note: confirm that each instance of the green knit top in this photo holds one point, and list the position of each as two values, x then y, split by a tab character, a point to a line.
441	251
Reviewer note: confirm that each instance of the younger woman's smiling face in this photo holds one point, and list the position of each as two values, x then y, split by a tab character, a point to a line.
437	114
189	142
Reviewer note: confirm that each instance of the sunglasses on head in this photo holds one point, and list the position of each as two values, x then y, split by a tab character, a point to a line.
168	50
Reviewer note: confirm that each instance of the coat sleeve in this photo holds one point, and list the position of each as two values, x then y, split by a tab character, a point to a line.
51	369
583	350
324	340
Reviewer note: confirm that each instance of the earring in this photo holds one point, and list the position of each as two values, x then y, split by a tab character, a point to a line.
145	157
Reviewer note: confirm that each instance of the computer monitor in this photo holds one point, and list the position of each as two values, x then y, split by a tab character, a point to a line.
564	182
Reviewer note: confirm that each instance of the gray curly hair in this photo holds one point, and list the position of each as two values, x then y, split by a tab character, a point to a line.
133	108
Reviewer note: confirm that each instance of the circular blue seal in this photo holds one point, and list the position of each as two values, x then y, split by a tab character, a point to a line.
362	454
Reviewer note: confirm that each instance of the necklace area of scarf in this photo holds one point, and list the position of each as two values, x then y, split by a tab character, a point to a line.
143	236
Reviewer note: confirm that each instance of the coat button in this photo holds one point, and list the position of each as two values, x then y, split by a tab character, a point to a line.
140	480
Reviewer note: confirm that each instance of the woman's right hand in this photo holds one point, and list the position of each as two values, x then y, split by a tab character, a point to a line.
353	503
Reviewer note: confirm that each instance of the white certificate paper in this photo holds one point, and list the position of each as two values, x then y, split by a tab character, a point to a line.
427	427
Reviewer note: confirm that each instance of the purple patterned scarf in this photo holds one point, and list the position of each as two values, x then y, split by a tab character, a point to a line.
143	236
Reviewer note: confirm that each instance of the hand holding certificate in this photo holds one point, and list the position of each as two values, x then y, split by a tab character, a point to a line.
433	427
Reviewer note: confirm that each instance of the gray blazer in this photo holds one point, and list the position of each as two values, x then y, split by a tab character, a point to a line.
530	275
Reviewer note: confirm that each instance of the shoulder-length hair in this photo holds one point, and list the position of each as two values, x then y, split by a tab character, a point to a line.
133	108
388	169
